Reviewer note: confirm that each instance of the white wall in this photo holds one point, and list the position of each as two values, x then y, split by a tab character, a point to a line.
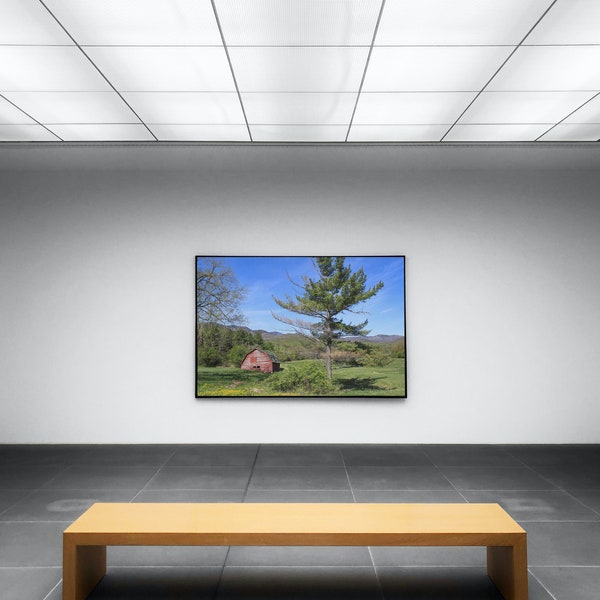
97	253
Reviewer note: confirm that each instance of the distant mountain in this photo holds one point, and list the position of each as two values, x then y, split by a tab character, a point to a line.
373	339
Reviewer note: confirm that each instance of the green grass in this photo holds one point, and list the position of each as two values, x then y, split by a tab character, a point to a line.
349	381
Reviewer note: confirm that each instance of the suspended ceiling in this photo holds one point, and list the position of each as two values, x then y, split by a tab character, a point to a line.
300	71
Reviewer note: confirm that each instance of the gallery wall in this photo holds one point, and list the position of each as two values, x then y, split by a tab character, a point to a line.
97	249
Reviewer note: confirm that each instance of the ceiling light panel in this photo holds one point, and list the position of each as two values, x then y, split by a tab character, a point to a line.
294	22
495	133
47	68
299	133
11	115
569	22
411	108
523	107
550	68
26	133
587	113
295	69
397	133
74	107
187	69
299	109
459	22
103	132
573	132
457	68
28	22
138	22
209	133
186	108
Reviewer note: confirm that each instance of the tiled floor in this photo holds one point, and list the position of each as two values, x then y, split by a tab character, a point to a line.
553	491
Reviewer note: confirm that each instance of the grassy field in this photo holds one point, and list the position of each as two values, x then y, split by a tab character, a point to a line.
348	381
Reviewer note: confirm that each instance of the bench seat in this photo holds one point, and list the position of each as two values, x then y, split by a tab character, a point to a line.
275	524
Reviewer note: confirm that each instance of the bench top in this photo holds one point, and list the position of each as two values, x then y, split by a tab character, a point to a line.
294	524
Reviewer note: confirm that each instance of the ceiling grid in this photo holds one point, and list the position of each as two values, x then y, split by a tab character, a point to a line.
318	71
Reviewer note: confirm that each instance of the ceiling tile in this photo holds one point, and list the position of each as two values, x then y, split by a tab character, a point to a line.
397	133
299	108
550	68
573	132
11	115
138	22
47	68
146	69
74	107
411	107
588	113
293	22
26	133
420	69
206	133
276	69
569	22
187	108
28	22
103	132
495	133
523	107
459	22
299	133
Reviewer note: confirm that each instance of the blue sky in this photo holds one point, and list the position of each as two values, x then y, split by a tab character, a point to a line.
265	277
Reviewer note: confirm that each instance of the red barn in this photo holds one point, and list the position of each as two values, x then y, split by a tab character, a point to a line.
259	360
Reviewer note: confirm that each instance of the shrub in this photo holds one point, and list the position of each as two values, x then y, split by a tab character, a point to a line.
303	378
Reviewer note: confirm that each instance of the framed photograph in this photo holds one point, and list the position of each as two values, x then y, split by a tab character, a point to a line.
277	326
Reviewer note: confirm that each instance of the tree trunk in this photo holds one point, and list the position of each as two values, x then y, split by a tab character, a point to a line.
328	361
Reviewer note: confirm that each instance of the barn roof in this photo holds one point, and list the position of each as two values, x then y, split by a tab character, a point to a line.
272	357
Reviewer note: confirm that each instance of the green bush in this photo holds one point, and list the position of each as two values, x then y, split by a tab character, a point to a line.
302	378
208	357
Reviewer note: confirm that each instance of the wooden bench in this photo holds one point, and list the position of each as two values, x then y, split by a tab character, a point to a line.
107	524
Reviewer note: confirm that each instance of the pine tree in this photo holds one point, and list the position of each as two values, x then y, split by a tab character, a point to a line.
336	291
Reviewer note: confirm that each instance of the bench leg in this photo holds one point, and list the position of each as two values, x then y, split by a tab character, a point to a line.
83	568
507	568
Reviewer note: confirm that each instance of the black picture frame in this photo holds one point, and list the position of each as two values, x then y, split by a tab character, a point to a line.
267	326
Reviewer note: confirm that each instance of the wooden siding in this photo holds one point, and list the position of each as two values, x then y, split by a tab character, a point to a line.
259	360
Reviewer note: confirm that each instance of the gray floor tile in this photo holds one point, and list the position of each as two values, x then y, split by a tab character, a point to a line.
299	455
27	478
31	544
299	583
299	478
563	544
10	497
61	505
573	477
127	455
385	556
157	583
384	455
591	498
397	478
96	477
495	478
41	455
410	496
299	556
476	455
570	583
214	455
166	556
190	496
299	496
548	455
551	505
442	583
200	478
28	584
